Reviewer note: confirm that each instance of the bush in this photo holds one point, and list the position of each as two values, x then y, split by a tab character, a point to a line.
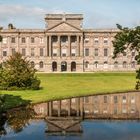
35	84
18	74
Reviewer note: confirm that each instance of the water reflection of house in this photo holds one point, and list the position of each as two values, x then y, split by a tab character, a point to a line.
122	105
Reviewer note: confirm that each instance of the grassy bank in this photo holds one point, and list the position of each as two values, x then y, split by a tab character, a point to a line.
58	86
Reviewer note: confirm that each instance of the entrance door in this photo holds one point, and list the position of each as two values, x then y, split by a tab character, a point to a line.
73	66
54	66
64	66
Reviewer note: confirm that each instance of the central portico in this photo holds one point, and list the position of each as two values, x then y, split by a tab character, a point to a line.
64	37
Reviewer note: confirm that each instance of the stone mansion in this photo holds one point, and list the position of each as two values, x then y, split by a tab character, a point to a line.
64	46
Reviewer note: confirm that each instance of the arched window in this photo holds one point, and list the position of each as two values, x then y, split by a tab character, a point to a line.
63	66
41	65
105	65
124	64
32	64
115	64
54	66
133	64
96	64
86	64
73	66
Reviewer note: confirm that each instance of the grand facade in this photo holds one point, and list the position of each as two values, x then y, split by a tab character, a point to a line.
64	46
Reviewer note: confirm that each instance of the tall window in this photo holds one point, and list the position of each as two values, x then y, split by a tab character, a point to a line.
96	64
105	99
73	39
23	52
115	99
86	64
23	40
96	52
124	64
41	51
115	64
13	40
54	39
105	52
13	51
86	52
133	65
41	65
64	39
32	52
32	64
5	53
32	40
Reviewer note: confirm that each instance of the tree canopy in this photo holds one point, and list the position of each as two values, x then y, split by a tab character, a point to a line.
17	73
128	39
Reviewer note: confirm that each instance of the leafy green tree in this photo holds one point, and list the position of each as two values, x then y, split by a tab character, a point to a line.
17	73
128	39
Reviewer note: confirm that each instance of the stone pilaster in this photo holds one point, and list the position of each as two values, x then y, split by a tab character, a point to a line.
78	106
81	46
78	47
50	108
50	47
59	108
81	107
69	46
59	46
69	107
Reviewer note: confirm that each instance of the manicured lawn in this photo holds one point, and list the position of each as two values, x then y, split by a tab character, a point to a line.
58	86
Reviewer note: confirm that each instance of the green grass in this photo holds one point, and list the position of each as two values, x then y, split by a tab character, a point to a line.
58	86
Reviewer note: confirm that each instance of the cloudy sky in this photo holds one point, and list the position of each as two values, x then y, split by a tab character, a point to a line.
97	13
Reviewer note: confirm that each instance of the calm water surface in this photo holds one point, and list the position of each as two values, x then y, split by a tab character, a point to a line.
92	130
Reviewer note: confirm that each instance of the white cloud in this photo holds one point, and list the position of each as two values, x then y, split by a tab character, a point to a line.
18	14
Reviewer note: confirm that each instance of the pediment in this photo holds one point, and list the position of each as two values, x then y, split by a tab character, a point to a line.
65	27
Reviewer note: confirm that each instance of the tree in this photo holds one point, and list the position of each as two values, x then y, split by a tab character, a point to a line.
128	39
17	73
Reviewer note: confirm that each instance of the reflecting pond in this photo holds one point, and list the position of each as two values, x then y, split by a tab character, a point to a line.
97	130
76	119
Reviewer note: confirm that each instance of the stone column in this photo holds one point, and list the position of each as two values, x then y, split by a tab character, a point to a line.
50	47
9	44
47	109
69	46
18	42
78	106
81	46
81	107
78	47
69	107
46	45
59	46
50	109
59	108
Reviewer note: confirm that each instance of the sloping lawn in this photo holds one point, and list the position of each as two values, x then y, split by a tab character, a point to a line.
58	86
